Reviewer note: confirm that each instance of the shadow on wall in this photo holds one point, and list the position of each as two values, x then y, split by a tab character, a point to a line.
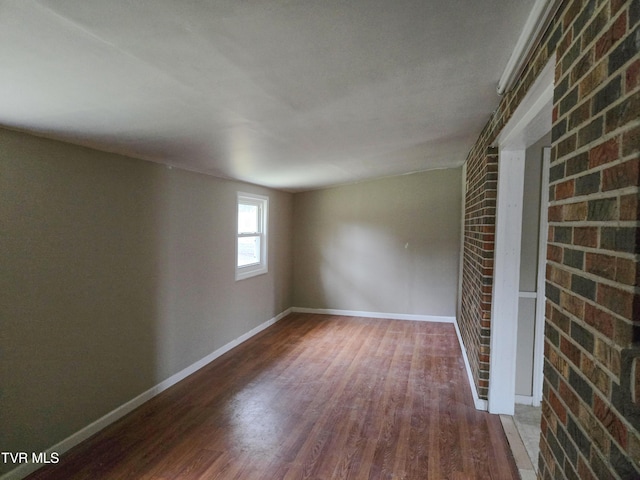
117	273
389	246
79	285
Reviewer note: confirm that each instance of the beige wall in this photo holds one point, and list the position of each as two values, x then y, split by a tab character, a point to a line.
116	274
388	246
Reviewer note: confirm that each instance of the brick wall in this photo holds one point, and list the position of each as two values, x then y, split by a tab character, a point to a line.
477	276
591	406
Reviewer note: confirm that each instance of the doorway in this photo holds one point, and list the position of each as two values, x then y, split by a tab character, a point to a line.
531	299
529	126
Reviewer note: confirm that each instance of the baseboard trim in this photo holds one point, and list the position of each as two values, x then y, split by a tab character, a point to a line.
391	316
28	468
478	402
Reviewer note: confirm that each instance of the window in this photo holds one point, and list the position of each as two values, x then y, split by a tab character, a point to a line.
251	244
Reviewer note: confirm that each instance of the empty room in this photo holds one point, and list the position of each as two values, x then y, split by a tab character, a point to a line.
288	239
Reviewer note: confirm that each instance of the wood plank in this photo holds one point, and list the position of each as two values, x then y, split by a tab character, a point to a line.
312	397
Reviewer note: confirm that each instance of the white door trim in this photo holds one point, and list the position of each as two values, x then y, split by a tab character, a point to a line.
538	348
530	122
506	282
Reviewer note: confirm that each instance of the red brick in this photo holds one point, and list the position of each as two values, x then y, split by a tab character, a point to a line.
555	213
570	398
604	153
583	470
570	351
623	175
630	207
585	236
631	141
565	189
607	253
615	5
572	304
611	36
610	420
554	253
599	319
601	265
558	408
617	300
627	272
633	76
571	13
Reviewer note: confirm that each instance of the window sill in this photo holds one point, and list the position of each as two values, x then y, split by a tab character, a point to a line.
242	274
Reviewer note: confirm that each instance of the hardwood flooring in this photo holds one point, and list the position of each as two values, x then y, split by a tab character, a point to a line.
312	397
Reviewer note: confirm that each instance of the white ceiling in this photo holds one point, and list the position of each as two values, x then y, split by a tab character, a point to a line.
290	94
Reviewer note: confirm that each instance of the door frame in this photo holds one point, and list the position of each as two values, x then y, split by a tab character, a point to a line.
531	120
535	399
538	348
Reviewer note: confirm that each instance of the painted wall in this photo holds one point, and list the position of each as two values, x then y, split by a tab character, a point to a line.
116	274
387	246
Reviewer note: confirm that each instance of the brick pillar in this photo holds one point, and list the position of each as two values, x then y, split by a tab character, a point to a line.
591	409
477	271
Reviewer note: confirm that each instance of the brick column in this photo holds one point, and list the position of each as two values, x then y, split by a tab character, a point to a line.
591	405
477	271
591	410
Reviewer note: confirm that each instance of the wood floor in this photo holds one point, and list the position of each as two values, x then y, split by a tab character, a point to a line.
312	397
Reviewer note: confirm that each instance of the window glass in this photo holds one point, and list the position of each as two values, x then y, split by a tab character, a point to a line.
248	251
251	241
247	218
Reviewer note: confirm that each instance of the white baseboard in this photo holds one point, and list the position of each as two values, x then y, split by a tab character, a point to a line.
391	316
27	468
479	403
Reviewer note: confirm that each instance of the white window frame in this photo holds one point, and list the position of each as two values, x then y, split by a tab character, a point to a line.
262	202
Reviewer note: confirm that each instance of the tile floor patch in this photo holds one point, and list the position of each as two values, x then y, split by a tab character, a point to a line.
527	420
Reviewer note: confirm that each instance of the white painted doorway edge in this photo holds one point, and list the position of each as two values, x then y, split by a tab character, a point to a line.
538	350
531	120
